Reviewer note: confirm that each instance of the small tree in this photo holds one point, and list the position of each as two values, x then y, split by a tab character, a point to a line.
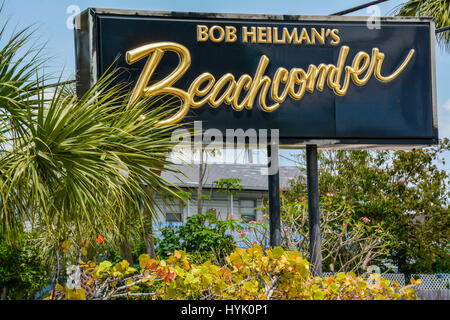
229	186
404	190
348	243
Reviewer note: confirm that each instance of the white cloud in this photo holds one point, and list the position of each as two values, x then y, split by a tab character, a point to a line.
444	119
447	105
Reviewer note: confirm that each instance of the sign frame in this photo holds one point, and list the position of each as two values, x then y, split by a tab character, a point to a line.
87	64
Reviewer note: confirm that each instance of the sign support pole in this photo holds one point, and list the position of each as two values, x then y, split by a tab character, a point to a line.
274	194
313	209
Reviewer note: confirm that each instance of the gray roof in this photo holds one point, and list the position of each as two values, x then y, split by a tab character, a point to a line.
250	174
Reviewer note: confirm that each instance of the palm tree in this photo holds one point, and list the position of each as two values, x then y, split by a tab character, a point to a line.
76	167
438	9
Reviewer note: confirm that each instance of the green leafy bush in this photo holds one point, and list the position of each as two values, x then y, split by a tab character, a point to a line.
22	271
348	242
202	235
405	191
248	274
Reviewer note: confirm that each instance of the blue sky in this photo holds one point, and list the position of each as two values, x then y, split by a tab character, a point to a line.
51	17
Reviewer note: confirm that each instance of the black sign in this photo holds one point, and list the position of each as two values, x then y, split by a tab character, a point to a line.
322	80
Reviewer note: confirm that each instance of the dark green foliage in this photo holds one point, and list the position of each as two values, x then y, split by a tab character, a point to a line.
22	271
202	235
228	185
405	189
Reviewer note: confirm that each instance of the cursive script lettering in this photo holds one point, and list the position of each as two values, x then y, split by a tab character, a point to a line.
293	83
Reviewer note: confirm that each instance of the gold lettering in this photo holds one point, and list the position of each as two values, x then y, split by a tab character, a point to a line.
194	89
359	69
275	36
155	51
281	75
246	33
335	77
221	34
262	35
231	34
335	36
380	59
304	37
322	72
260	80
202	33
294	79
227	78
227	90
316	35
244	82
289	36
269	34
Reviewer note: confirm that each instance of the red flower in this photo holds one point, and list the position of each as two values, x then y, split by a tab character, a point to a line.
151	265
100	239
160	272
170	275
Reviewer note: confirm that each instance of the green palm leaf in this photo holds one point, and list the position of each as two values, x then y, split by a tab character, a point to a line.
77	166
438	9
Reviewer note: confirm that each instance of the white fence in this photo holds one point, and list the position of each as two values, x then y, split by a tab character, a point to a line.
432	287
439	281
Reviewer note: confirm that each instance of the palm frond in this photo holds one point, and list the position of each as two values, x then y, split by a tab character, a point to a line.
438	9
88	159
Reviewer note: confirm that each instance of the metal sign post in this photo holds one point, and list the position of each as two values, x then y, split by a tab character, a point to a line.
313	204
274	195
312	176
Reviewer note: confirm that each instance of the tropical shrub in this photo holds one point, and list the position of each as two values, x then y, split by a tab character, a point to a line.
349	243
77	167
229	186
202	235
407	191
249	274
22	271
